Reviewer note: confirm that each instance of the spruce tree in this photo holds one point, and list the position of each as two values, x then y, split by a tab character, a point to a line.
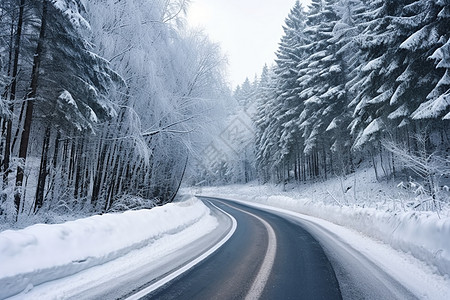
378	83
431	20
288	104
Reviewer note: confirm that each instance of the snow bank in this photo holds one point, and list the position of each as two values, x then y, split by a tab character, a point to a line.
423	234
42	253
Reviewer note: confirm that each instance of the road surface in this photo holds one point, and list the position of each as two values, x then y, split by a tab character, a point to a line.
273	255
268	257
255	253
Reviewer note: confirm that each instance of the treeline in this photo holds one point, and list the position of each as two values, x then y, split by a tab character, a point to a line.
355	81
100	100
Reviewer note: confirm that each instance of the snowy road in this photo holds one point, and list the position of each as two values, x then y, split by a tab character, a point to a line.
310	262
365	268
256	252
172	245
256	263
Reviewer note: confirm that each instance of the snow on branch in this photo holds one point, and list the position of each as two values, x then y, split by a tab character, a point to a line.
167	128
72	10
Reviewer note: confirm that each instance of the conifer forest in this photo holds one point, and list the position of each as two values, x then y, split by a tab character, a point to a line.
107	105
355	83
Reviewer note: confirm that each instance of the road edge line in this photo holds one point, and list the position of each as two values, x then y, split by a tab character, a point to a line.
161	282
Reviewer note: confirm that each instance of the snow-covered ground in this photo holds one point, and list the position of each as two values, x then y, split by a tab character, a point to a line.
41	253
381	211
54	261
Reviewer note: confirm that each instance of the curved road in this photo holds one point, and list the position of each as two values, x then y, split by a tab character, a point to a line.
255	253
268	257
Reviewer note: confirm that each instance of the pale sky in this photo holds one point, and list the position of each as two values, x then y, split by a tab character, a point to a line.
248	30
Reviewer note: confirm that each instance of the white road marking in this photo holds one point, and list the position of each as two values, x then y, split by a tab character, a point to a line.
266	268
188	266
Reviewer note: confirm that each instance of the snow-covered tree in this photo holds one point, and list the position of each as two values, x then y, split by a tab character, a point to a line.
430	21
118	97
365	70
323	91
76	80
289	55
245	94
265	143
279	105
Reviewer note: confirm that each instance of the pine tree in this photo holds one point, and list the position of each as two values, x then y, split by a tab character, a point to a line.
321	83
30	97
264	119
344	69
431	20
377	84
363	71
10	86
245	93
288	104
76	80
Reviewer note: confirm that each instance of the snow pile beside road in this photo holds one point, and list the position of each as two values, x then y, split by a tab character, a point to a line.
423	234
42	253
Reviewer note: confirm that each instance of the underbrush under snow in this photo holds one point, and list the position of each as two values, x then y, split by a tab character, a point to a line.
381	210
42	253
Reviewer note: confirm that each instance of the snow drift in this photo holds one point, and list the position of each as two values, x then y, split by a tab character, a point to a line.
42	253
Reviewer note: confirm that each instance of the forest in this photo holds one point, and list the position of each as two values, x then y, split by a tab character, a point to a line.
355	82
133	166
101	103
111	105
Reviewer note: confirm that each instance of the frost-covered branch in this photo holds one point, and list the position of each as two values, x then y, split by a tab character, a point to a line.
431	166
165	128
173	10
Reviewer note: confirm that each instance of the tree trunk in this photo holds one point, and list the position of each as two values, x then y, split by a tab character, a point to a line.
55	163
316	164
351	161
331	163
113	178
6	93
375	166
43	171
303	158
382	161
65	161
308	165
393	166
19	123
25	138
78	169
72	161
12	93
98	175
179	183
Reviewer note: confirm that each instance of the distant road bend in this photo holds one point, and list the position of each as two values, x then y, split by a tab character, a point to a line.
275	256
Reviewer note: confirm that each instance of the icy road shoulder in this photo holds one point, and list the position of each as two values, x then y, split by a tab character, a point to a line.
111	245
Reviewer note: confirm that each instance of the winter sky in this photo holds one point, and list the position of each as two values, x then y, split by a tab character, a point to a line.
248	31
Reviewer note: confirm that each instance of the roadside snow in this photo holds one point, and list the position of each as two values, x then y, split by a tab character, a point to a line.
414	275
42	253
425	235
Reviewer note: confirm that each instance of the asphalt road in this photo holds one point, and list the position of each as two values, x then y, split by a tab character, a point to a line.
268	257
254	253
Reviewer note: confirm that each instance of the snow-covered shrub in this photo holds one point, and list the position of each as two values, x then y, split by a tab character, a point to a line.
128	202
428	165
